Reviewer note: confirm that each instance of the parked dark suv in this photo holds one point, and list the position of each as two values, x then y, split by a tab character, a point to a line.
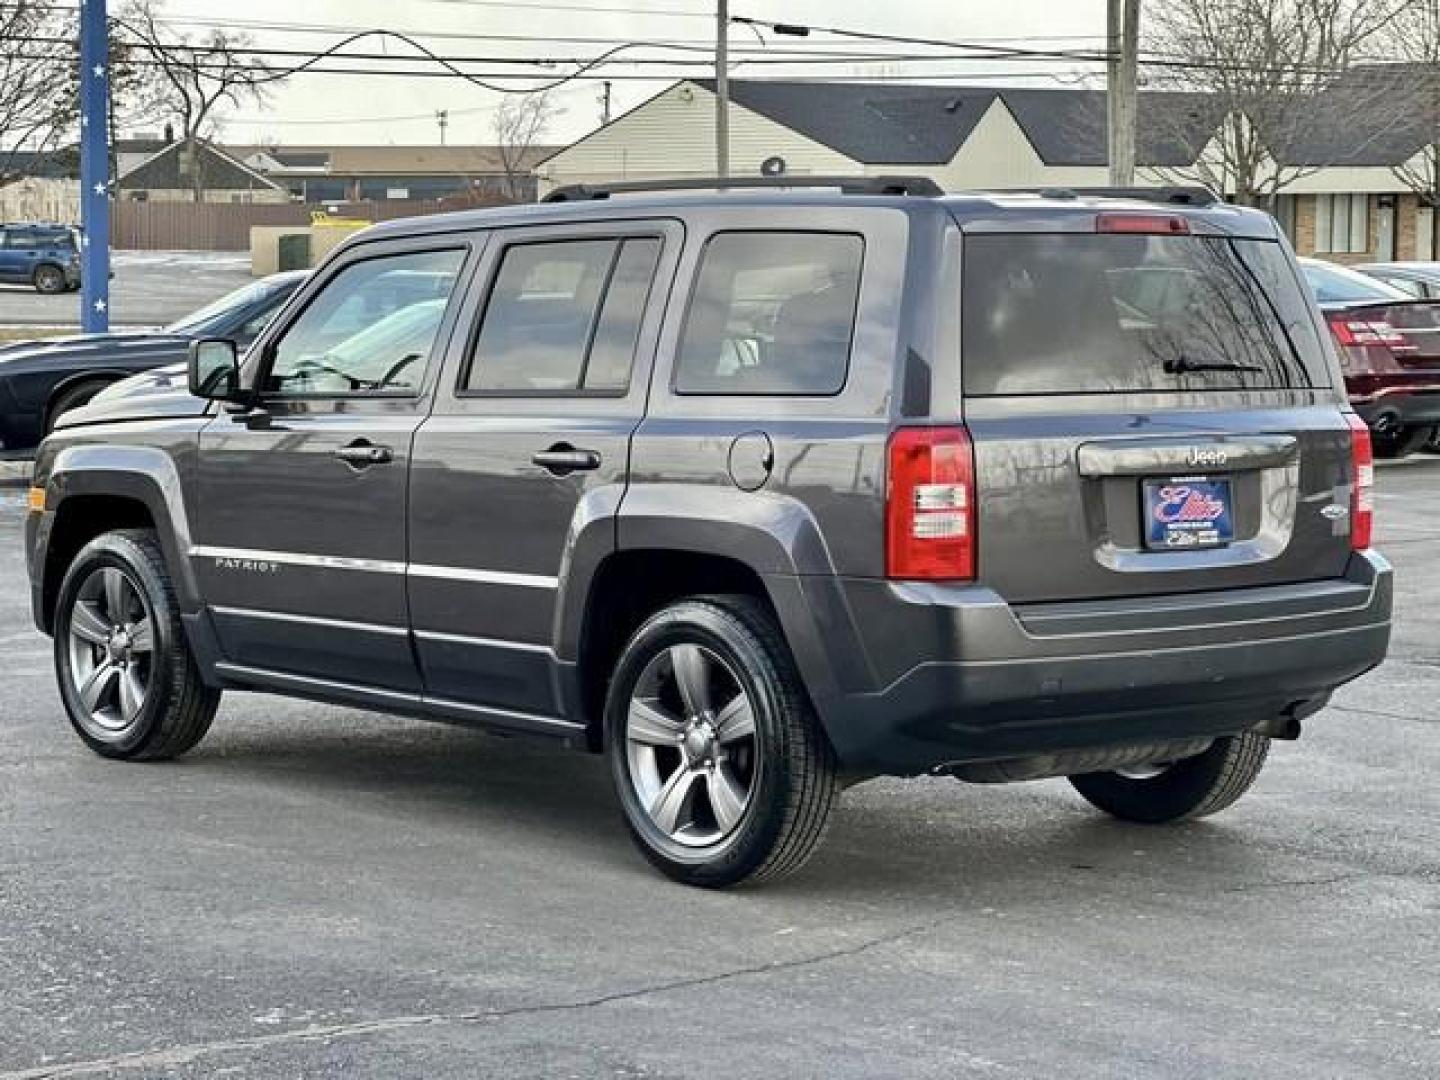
760	493
44	256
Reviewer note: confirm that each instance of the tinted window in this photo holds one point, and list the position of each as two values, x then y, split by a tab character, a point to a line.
1071	313
370	329
1334	284
263	297
33	239
1405	285
773	313
564	317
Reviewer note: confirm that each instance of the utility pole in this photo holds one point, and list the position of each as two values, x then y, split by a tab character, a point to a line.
722	88
94	167
1122	33
442	117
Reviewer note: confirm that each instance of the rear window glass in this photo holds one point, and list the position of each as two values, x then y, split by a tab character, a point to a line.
1072	314
773	313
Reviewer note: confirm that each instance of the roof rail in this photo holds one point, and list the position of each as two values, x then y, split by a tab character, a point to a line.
1176	195
847	185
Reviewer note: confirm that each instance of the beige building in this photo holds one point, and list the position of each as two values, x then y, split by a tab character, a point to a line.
991	137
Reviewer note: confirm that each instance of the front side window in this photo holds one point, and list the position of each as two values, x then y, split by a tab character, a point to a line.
773	313
370	330
564	317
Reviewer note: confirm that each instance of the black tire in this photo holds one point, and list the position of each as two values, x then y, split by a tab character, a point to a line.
176	707
1433	445
1192	788
791	778
71	397
1401	442
49	280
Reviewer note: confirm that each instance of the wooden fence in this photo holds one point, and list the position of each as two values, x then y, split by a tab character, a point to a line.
185	226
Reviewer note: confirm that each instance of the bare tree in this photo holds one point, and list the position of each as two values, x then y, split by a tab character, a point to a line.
520	125
199	77
1414	41
1281	77
37	57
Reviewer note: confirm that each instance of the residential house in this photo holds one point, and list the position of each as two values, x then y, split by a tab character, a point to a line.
353	173
167	174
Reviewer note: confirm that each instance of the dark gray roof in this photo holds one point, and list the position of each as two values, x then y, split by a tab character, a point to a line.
220	171
1067	127
900	125
300	159
1375	115
60	163
926	125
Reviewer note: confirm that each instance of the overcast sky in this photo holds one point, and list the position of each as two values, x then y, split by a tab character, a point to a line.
369	109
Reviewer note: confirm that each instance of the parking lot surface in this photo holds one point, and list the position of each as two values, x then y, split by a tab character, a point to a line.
320	892
150	288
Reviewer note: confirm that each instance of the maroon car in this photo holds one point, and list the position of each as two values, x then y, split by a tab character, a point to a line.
1389	346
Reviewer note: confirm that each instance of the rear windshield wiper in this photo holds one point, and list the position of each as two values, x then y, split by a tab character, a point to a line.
1180	365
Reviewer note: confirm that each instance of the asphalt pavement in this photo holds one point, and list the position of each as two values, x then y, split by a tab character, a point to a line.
320	892
150	288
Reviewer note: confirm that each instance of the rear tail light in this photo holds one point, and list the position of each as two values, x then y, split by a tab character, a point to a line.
930	505
1359	332
1151	224
1362	493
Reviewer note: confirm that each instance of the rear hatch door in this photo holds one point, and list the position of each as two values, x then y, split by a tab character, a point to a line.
1151	413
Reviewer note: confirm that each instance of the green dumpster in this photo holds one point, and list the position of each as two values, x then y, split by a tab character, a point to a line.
294	251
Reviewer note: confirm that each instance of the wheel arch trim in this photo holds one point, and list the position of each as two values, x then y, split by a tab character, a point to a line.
142	474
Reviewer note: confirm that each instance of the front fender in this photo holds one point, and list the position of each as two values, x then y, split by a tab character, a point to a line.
145	474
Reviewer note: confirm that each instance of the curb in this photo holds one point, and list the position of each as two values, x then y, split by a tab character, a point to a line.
15	474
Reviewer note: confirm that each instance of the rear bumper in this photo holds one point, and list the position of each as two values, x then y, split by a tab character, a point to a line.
990	682
1405	401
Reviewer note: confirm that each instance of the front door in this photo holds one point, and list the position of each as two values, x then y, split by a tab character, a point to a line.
301	538
528	445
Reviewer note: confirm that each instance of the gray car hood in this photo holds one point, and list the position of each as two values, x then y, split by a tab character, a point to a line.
152	395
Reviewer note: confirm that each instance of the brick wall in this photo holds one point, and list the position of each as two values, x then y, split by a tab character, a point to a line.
1305	224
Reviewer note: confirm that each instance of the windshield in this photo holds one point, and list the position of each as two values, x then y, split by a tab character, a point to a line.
245	296
1080	313
1336	284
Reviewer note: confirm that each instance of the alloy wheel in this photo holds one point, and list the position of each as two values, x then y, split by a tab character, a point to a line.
690	744
112	647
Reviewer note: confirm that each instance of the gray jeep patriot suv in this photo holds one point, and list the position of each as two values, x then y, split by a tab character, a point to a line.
757	492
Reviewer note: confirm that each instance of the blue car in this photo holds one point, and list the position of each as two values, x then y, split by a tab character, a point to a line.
46	257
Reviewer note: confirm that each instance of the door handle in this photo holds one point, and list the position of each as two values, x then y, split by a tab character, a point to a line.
362	455
562	459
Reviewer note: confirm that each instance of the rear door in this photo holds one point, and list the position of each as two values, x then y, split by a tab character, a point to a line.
1151	413
529	441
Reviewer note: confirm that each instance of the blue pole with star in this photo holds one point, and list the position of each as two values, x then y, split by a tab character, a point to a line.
94	167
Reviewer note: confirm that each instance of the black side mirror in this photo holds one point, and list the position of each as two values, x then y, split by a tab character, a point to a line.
215	371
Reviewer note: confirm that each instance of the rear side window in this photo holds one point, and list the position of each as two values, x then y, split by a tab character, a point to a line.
564	317
1115	313
773	313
